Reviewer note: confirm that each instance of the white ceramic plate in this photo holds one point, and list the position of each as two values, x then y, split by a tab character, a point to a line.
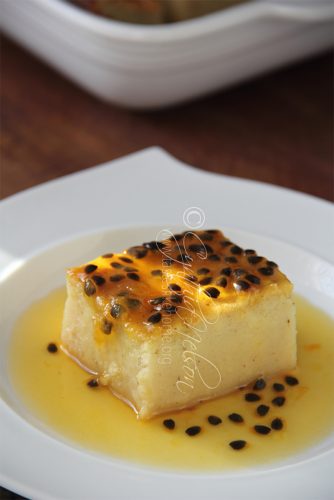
49	227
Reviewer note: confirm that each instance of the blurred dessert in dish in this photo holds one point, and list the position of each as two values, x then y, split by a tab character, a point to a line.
153	11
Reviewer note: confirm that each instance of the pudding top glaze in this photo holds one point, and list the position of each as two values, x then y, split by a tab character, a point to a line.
170	278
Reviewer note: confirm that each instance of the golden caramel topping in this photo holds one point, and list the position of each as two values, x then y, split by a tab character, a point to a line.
159	279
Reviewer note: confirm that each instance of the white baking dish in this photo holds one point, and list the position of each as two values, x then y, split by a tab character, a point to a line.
156	66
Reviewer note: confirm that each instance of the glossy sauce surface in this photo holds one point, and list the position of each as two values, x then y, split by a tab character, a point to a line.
54	390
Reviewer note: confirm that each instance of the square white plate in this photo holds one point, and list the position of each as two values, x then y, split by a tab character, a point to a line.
53	225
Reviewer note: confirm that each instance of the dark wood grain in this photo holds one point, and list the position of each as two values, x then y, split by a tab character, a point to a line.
9	495
275	129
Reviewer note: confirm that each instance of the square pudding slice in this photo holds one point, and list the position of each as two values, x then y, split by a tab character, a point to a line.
170	323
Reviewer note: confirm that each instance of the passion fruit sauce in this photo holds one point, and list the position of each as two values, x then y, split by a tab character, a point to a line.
234	431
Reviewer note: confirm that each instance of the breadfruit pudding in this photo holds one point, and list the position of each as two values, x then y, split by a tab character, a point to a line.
168	324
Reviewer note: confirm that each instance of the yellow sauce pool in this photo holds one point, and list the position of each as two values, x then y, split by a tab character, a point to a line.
54	389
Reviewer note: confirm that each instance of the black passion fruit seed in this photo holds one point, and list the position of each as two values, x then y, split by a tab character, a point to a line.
169	423
236	418
266	271
116	310
154	318
237	273
262	410
290	380
251	397
277	424
214	420
174	287
192	431
262	429
157	300
259	384
222	282
169	308
254	259
226	271
133	276
236	250
225	243
138	252
212	292
231	260
239	444
205	281
52	348
129	269
279	401
156	272
241	285
126	259
116	265
116	277
98	280
89	288
92	383
90	268
214	257
191	278
278	387
253	279
106	326
196	248
133	303
203	270
176	298
206	236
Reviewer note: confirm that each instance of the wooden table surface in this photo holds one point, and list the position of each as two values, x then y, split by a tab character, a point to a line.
276	129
